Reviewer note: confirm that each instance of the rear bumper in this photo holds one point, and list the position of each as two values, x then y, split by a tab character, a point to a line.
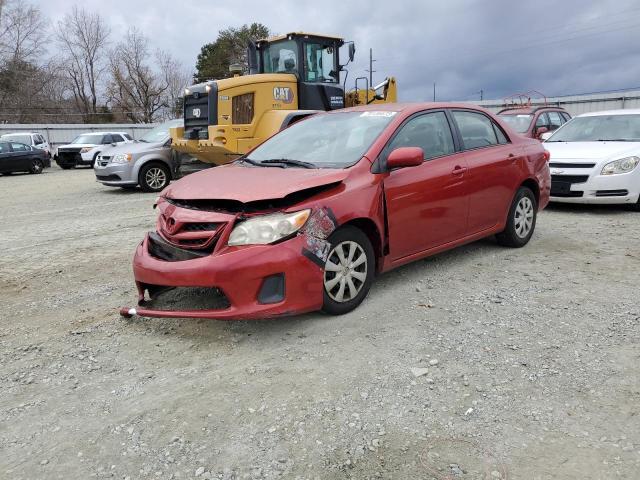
240	274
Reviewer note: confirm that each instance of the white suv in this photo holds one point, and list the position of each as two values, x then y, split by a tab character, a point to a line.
34	140
85	148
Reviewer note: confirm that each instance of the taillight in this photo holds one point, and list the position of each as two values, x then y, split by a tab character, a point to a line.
547	155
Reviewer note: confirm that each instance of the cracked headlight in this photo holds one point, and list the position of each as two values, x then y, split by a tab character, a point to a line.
121	158
266	229
622	165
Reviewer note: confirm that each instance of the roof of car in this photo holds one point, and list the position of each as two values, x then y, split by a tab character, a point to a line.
18	133
529	109
630	111
410	107
102	133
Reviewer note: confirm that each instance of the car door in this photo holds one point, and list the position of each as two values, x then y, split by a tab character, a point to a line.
494	168
427	205
21	156
555	120
5	157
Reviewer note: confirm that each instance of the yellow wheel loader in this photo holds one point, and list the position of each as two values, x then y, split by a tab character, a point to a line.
290	77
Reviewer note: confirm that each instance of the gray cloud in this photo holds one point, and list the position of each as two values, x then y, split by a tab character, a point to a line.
500	46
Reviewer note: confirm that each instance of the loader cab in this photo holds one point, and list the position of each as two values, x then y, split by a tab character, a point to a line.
313	59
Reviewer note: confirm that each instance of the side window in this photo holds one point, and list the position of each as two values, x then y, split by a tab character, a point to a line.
4	148
476	129
430	132
555	120
106	139
502	138
127	136
542	121
116	138
566	116
19	147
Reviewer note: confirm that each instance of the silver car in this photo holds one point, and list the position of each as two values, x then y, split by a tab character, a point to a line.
148	162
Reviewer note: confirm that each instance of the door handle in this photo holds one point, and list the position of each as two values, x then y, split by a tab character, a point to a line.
458	170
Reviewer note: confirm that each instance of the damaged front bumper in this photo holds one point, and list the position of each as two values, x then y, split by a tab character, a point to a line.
251	282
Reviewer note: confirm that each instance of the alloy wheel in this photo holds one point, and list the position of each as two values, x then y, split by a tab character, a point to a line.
155	178
524	214
345	271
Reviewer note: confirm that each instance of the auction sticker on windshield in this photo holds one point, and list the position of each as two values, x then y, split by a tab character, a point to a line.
378	114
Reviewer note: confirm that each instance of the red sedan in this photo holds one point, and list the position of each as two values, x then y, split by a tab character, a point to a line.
308	219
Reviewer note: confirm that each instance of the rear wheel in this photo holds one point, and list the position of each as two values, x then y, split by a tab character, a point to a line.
522	220
154	177
348	271
36	167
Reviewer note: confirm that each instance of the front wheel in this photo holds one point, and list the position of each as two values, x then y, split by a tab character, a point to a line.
348	271
36	167
522	220
154	177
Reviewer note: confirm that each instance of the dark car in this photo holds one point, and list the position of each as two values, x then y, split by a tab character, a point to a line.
532	122
307	219
18	157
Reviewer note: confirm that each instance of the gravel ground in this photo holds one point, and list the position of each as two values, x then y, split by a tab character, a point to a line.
483	362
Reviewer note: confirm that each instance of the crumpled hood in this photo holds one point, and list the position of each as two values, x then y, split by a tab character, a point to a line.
591	150
249	184
134	147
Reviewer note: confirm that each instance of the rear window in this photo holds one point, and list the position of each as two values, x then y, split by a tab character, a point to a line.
26	139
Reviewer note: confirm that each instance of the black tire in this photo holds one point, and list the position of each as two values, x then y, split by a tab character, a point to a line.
154	170
338	240
636	206
36	167
516	234
66	166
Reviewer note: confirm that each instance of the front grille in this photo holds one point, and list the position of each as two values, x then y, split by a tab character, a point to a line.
571	165
163	250
108	178
612	193
199	227
561	185
69	158
185	298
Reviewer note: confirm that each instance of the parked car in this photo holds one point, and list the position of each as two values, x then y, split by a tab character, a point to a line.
305	220
18	157
532	122
595	157
85	148
149	162
34	140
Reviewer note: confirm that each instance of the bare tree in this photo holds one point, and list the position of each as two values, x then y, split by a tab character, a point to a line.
176	77
22	32
138	91
83	38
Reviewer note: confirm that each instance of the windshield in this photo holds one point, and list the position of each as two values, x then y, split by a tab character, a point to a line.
520	122
280	57
26	139
161	132
621	128
89	138
335	140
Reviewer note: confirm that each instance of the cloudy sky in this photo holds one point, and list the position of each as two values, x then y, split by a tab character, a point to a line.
500	46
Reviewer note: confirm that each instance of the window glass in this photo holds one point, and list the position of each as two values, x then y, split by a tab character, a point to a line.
542	121
430	132
4	148
519	122
88	139
19	147
26	139
566	116
106	139
319	63
600	128
555	120
281	57
476	129
127	136
502	138
116	138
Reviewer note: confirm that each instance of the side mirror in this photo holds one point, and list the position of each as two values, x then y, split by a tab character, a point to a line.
540	131
405	157
546	136
352	51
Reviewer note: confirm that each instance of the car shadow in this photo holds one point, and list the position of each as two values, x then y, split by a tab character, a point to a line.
580	208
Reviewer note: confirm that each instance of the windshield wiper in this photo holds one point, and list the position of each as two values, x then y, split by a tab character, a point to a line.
248	160
288	161
618	140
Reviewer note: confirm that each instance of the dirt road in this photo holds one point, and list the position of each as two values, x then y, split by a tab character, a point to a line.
483	362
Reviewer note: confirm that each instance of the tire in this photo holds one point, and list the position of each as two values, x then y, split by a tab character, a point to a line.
636	206
66	166
36	167
154	177
521	221
339	296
